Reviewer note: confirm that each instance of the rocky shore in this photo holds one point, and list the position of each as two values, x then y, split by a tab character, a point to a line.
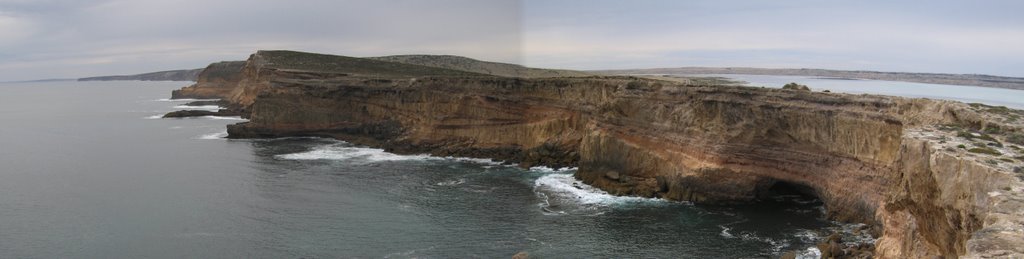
200	113
894	164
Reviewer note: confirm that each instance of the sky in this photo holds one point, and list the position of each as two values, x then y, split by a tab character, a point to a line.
78	38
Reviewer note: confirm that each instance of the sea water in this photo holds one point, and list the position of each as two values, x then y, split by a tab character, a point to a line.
89	170
970	94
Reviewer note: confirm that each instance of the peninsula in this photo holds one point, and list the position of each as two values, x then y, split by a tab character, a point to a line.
170	75
930	177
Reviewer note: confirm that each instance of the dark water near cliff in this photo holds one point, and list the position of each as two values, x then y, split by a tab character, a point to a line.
85	173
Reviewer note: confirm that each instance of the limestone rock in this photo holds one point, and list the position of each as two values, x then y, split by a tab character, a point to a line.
632	136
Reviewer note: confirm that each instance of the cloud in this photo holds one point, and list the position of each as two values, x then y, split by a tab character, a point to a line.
84	38
77	38
943	36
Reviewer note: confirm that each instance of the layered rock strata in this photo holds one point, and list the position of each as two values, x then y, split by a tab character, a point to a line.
873	159
214	82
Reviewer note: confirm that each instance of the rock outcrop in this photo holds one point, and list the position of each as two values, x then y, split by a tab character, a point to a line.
214	82
201	113
880	160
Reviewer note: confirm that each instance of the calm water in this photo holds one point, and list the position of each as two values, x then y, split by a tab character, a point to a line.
987	95
86	172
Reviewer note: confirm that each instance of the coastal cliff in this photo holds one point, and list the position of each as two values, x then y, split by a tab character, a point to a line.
892	163
215	81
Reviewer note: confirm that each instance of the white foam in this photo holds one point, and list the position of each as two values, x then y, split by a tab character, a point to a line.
564	186
158	116
236	118
218	135
776	245
808	236
343	152
725	232
452	182
545	169
810	253
183	100
200	107
474	160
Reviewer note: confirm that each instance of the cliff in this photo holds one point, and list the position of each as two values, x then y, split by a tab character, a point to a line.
917	170
171	75
214	82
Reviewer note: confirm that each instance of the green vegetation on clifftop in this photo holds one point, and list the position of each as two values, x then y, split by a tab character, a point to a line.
303	61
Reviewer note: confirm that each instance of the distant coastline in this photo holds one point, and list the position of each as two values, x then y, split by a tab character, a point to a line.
170	75
930	78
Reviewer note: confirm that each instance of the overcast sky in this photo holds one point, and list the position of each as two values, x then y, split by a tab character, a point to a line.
77	38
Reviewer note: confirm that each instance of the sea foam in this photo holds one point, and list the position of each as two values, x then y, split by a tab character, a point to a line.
218	135
235	118
345	152
565	187
183	100
200	107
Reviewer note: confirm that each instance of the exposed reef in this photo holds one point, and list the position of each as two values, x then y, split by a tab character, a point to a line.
890	162
200	113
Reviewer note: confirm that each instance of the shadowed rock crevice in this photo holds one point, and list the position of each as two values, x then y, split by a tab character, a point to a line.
782	188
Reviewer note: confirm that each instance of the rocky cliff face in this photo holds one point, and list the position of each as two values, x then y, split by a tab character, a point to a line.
873	159
214	82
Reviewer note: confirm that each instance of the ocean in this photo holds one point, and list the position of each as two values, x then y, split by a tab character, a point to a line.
89	170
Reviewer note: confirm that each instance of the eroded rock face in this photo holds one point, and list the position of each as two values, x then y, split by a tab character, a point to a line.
651	138
214	82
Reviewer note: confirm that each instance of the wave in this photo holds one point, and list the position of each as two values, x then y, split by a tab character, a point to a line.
236	118
218	135
776	245
452	182
201	107
810	253
183	99
725	232
486	161
346	152
566	187
808	236
549	170
158	116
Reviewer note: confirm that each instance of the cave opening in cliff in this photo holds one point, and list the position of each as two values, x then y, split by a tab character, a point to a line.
791	192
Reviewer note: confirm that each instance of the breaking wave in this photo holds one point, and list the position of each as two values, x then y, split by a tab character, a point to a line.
776	244
549	170
563	191
345	152
183	100
218	135
201	107
236	118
